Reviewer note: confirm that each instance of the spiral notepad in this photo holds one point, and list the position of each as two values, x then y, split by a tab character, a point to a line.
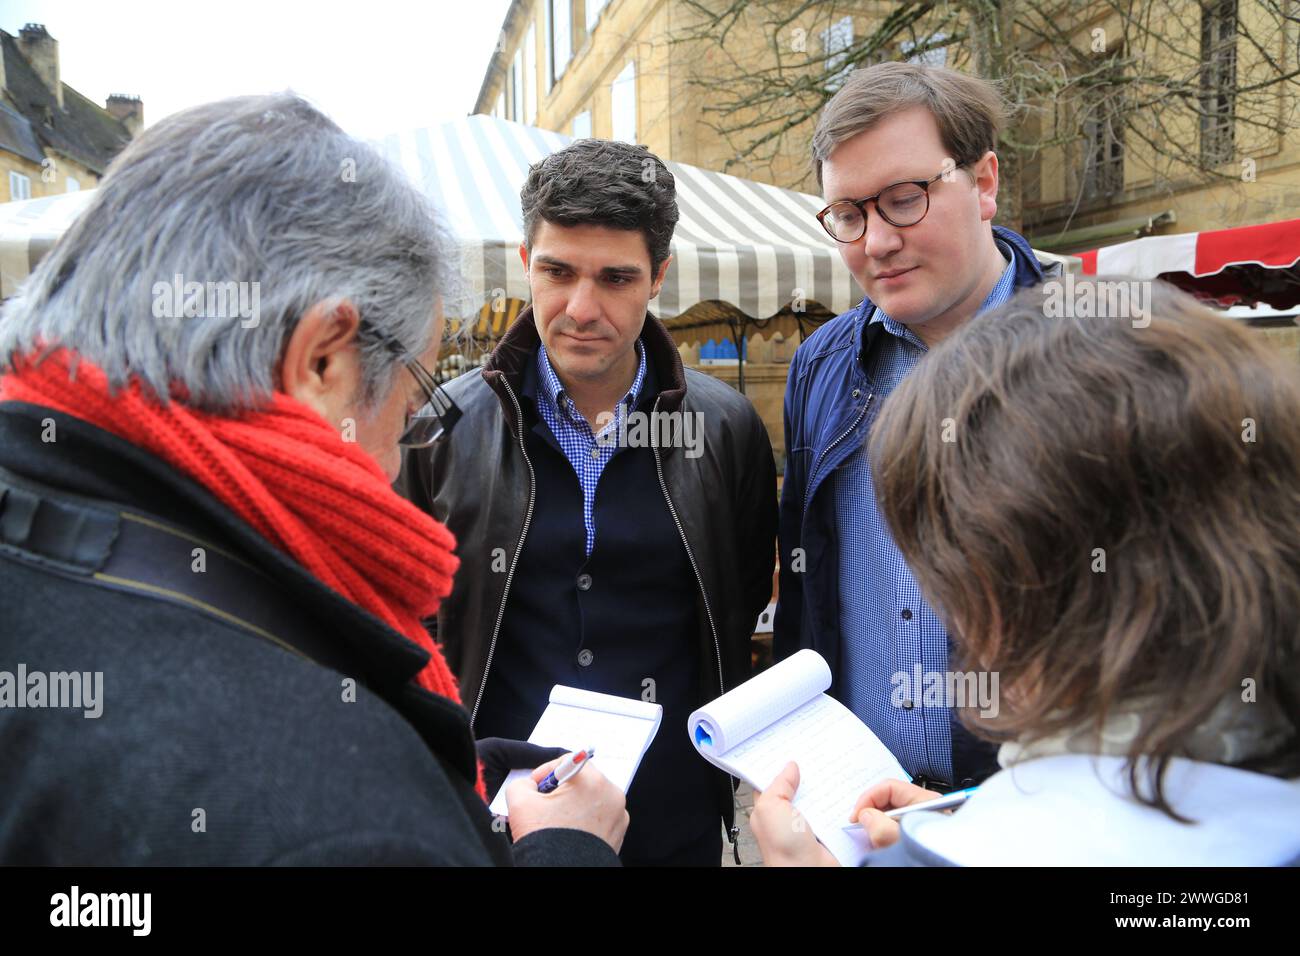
784	714
619	729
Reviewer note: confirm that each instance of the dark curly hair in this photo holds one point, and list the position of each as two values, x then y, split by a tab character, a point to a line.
602	183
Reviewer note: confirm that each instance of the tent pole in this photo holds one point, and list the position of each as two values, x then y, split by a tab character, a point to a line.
738	337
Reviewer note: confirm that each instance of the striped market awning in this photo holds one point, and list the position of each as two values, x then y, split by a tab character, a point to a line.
30	229
1245	264
752	246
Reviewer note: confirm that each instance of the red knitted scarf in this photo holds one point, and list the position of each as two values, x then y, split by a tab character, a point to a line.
290	475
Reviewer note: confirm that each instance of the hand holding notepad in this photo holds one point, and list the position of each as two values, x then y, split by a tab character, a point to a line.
618	729
784	714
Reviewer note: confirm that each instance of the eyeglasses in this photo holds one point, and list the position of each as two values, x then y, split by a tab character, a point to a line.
901	204
435	419
439	414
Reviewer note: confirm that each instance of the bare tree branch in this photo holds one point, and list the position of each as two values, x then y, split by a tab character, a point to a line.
1146	83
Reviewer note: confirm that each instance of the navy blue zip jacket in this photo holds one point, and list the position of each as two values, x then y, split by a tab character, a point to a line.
827	416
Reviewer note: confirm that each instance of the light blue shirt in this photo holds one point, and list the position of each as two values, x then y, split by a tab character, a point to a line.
587	452
886	627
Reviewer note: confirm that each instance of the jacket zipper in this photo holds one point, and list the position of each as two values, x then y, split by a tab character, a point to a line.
519	547
825	451
717	647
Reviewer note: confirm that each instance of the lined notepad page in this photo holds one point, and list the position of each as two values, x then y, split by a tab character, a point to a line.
782	715
620	729
838	757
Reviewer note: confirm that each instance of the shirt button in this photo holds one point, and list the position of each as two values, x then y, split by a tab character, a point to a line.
906	615
595	451
907	704
857	393
585	657
584	582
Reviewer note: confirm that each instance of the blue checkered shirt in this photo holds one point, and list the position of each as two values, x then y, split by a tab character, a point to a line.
587	451
886	627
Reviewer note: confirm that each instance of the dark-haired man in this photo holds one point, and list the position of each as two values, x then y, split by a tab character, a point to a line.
616	513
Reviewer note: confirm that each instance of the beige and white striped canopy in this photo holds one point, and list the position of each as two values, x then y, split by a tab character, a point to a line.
745	243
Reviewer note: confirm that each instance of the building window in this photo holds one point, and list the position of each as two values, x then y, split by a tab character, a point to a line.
1218	80
582	125
511	90
72	185
559	40
20	187
517	87
500	111
836	40
622	105
1103	150
530	79
593	12
934	53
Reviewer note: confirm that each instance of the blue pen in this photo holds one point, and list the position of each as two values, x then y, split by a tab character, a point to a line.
946	802
569	767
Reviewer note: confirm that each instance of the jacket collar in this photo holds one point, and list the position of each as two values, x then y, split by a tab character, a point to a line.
517	349
552	389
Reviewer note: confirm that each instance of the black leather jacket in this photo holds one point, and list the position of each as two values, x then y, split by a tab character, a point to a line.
480	482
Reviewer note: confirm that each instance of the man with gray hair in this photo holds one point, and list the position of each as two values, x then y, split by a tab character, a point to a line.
206	383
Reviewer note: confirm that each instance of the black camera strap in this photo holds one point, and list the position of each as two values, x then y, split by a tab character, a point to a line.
125	549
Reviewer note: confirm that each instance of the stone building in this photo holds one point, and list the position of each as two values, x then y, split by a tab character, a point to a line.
53	139
639	70
634	70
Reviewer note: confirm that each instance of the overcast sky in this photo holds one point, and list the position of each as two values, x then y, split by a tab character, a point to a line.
375	66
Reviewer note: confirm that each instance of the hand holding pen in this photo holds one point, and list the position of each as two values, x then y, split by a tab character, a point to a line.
877	809
589	802
569	767
947	801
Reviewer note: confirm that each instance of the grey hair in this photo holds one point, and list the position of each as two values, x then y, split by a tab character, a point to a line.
263	190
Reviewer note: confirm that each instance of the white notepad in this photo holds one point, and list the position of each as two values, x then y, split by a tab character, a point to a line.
620	730
783	714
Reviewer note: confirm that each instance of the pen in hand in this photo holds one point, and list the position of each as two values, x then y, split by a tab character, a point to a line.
946	802
569	767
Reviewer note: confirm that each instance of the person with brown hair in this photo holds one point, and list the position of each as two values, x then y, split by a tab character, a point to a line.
905	157
1106	513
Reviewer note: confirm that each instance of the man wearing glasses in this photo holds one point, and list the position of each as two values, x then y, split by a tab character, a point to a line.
904	155
621	567
199	538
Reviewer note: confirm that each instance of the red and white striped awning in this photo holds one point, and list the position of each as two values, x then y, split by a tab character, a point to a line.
1248	264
